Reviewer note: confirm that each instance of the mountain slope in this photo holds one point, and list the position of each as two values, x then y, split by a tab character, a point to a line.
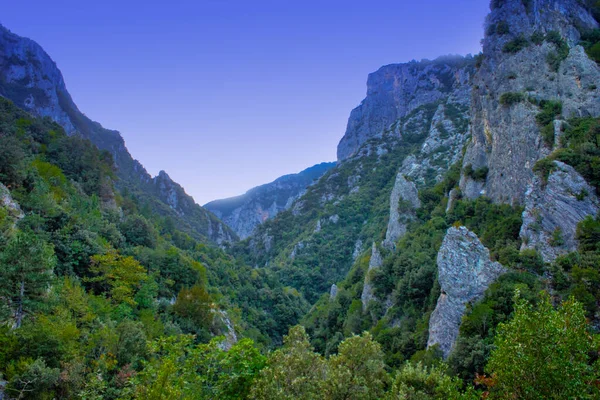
473	159
243	213
30	78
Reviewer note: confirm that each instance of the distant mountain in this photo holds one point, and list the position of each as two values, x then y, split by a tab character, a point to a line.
32	80
244	213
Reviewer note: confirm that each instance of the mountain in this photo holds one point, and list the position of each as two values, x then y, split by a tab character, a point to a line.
30	78
459	180
243	213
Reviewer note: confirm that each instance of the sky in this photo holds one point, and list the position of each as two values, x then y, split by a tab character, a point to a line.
225	95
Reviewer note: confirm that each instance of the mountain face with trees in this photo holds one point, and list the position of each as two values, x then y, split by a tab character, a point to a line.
30	79
451	253
244	213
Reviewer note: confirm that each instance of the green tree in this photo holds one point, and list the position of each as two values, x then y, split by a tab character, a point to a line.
294	371
119	276
357	371
194	306
25	272
416	382
543	353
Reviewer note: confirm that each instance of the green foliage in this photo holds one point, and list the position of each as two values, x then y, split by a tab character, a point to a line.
550	110
139	231
479	174
25	272
294	371
562	50
415	382
508	99
179	370
516	45
357	371
544	353
502	28
580	148
120	277
194	307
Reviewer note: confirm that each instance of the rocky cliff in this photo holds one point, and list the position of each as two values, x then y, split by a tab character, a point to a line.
464	273
30	79
530	57
243	213
396	90
554	205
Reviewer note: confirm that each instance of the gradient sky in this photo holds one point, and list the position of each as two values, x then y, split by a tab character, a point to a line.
226	95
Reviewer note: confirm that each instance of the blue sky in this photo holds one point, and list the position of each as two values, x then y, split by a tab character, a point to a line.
226	95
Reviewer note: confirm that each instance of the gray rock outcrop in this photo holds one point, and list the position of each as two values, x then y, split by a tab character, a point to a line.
396	90
403	201
506	137
554	208
6	201
375	262
465	271
333	292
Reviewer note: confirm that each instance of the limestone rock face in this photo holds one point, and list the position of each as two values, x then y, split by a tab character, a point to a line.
506	138
553	210
465	271
333	292
229	331
6	201
375	263
396	90
403	201
244	213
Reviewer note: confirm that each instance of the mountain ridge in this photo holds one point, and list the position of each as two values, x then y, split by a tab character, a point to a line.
244	212
32	80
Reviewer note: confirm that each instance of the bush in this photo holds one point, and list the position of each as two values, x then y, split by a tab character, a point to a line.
139	231
550	111
544	168
562	50
548	134
479	174
516	45
502	28
510	98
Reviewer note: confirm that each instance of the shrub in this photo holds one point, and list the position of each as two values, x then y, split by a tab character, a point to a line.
562	50
537	38
510	98
548	134
550	110
516	45
544	168
502	28
479	174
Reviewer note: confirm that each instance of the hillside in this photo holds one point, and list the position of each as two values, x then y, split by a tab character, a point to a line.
30	79
244	213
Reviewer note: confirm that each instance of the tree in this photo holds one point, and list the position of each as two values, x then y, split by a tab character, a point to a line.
120	276
543	353
25	272
416	382
194	306
358	371
294	371
139	231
